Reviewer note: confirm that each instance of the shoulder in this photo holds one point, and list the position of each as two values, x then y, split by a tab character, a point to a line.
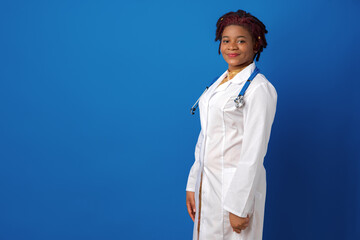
261	85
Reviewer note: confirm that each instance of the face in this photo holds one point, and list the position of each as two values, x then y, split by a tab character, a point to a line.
237	47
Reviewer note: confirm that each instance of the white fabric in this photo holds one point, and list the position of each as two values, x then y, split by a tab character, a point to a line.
230	152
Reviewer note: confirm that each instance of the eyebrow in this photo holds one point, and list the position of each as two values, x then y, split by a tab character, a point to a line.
236	37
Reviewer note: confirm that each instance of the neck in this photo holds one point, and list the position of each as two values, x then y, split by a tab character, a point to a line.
238	68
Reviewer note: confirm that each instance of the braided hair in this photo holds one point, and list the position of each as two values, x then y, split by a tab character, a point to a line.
255	27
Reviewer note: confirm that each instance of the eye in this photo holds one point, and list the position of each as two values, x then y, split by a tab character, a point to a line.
241	41
225	41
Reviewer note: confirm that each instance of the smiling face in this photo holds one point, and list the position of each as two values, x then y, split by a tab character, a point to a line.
237	47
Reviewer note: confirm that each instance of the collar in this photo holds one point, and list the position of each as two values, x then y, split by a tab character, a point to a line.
244	74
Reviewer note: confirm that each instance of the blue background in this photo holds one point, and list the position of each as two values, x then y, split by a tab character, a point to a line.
96	138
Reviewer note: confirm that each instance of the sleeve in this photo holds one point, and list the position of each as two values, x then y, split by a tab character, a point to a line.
196	166
259	113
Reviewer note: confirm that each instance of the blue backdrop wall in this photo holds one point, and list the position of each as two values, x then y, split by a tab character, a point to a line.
96	138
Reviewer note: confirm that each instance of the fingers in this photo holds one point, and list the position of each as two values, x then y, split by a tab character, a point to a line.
239	229
190	203
245	224
242	226
191	209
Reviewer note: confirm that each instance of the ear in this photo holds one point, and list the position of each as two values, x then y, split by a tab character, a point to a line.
256	47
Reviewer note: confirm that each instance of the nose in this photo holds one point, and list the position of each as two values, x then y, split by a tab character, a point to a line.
232	46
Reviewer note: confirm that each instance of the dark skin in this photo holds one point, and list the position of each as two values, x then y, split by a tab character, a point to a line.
238	49
190	203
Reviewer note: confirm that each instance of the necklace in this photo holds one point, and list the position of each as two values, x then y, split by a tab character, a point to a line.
230	75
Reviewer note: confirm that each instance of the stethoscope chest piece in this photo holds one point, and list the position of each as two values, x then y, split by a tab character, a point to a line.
239	101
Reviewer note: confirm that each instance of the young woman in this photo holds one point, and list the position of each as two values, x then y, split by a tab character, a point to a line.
225	193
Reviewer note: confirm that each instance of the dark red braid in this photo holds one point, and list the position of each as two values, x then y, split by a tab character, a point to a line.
255	27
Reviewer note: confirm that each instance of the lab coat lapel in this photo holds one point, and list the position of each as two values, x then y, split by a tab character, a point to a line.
244	75
240	78
234	86
204	100
213	88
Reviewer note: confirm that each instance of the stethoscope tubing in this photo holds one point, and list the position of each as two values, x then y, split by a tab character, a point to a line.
239	100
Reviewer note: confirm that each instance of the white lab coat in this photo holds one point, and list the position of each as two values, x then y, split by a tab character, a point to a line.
229	153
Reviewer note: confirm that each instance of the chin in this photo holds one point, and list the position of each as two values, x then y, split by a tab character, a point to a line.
234	64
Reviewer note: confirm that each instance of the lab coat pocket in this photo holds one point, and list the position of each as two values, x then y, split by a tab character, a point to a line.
250	232
254	230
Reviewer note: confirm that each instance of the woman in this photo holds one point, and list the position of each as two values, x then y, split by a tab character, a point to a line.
225	193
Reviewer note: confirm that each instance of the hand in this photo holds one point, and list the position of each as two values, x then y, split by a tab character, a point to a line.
238	223
190	203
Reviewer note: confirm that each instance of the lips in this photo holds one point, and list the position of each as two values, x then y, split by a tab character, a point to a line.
233	55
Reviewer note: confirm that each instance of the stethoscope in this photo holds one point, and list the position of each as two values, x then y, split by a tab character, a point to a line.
239	100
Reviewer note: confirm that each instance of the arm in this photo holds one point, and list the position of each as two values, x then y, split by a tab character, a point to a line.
190	188
195	167
259	112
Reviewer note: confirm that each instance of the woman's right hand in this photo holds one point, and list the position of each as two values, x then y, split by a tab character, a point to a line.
190	203
238	223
